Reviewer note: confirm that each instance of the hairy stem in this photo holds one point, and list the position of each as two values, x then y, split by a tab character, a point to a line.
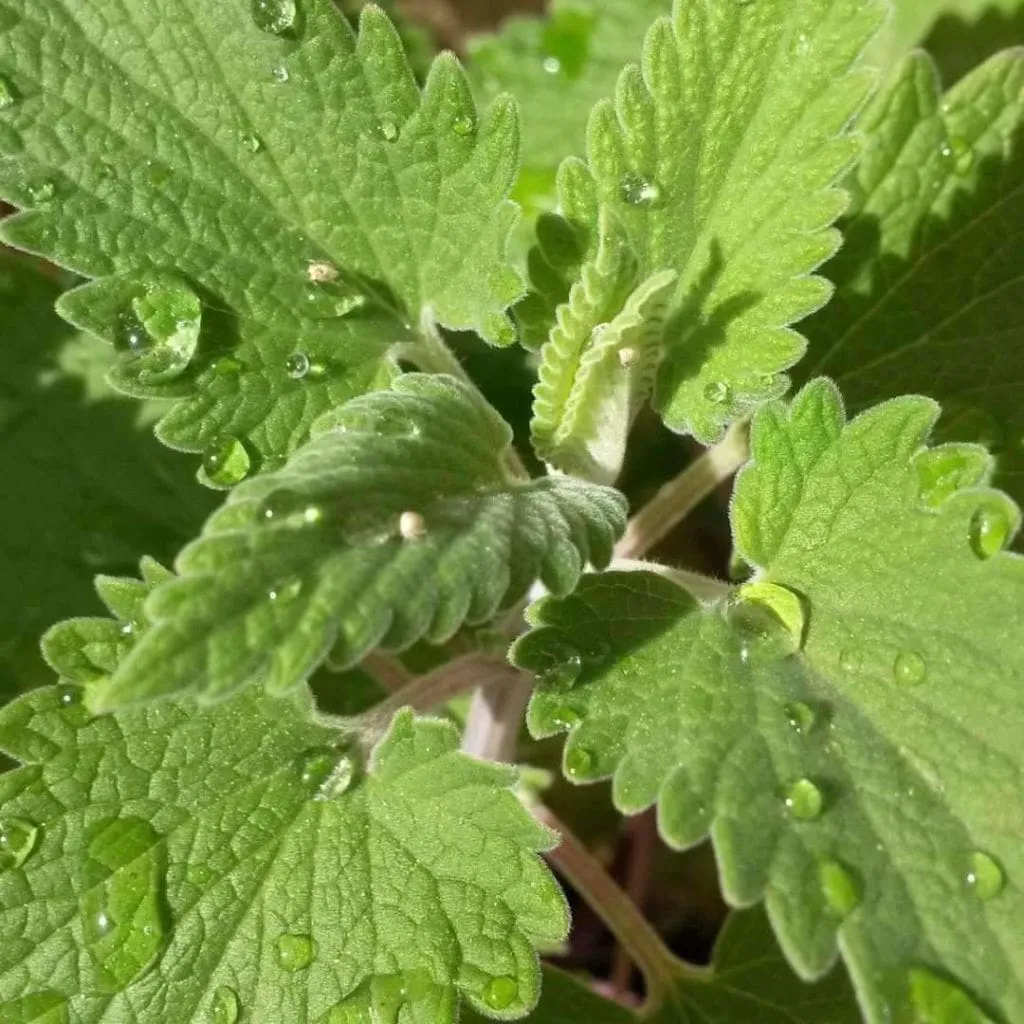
495	715
704	588
679	497
642	846
660	968
387	670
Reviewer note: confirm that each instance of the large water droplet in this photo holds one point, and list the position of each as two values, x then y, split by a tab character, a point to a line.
985	877
638	190
990	529
942	471
123	907
564	718
295	952
840	889
801	716
804	800
464	125
18	840
579	762
225	461
909	668
562	664
8	96
552	65
297	365
275	16
501	992
316	765
717	392
772	614
225	1007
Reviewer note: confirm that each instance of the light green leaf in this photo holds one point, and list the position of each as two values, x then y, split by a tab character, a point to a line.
180	865
867	786
558	67
720	158
288	172
929	295
86	488
598	369
398	521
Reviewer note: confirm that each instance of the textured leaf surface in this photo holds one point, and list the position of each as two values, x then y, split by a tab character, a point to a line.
86	488
297	181
894	735
720	158
397	521
929	284
186	862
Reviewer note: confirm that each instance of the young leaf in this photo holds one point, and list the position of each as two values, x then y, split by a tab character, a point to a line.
289	173
398	521
234	863
720	158
928	284
847	728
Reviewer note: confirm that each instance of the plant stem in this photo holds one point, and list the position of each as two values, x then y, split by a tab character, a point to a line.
660	968
495	715
387	670
679	497
704	588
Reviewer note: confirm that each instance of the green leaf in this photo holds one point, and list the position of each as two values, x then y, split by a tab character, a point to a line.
558	67
598	369
187	863
398	521
847	728
293	178
86	488
720	158
929	294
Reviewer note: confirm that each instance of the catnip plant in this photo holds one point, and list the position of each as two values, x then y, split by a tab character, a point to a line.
424	334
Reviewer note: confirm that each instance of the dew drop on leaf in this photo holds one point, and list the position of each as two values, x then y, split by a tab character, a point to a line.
412	525
638	191
909	668
464	126
295	952
225	1007
227	366
225	461
564	718
316	765
7	94
771	613
122	910
280	74
158	333
941	472
250	141
41	192
331	299
963	154
562	664
984	877
297	365
389	129
18	839
552	65
989	530
285	592
801	717
804	800
717	392
68	695
274	16
840	889
579	762
501	992
291	509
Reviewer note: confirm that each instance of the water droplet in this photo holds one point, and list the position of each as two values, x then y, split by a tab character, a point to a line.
41	192
552	65
18	839
122	909
225	461
963	154
717	392
839	887
909	668
628	356
942	471
291	509
297	365
331	299
771	613
285	592
801	717
579	762
945	151
316	766
389	129
253	143
280	74
295	952
412	526
638	191
274	16
562	664
564	718
225	1006
985	877
7	94
804	800
158	333
990	529
501	992
464	126
68	695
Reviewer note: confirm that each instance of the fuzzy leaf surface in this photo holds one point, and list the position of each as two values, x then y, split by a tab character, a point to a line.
893	734
180	137
721	156
929	283
398	521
